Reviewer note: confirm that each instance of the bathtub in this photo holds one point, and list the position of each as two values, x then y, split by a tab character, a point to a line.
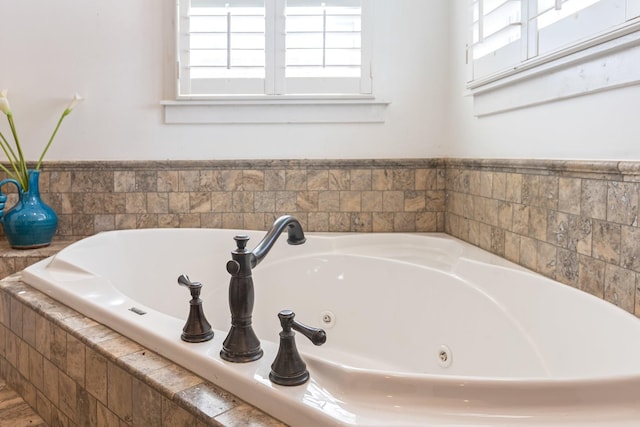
422	329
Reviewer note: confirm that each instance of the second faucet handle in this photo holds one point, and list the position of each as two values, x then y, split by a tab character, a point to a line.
288	368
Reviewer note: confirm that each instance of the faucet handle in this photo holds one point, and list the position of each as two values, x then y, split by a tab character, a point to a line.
316	335
288	368
194	287
197	328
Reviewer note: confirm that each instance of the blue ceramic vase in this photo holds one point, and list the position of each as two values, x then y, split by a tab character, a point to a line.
30	223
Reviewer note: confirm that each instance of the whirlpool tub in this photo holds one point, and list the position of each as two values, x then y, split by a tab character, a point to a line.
422	329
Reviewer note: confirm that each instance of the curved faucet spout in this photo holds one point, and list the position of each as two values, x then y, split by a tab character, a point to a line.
294	229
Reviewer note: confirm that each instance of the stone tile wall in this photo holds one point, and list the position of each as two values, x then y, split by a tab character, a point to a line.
575	222
325	195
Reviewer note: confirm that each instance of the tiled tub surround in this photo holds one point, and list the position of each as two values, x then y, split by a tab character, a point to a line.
75	372
575	222
572	221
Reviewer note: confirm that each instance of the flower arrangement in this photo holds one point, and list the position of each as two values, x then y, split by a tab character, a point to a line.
19	170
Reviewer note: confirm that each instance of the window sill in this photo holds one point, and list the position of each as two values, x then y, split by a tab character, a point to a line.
271	109
603	65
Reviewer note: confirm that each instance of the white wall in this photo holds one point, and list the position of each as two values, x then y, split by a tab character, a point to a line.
604	126
119	53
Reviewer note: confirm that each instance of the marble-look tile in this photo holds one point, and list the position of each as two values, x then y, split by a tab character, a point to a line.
593	199
548	192
120	392
630	248
607	241
521	219
622	203
591	276
96	375
580	234
173	378
318	179
392	201
67	394
207	399
558	228
569	191
350	201
620	287
538	223
295	180
147	406
360	179
247	416
568	267
252	180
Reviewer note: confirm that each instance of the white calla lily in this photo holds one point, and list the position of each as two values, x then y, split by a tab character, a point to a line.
4	102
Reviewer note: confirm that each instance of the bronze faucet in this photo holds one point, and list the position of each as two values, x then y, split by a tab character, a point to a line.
241	343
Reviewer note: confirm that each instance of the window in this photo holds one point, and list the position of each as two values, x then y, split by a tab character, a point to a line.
509	33
529	52
273	47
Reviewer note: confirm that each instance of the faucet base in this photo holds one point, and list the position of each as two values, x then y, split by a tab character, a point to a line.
241	345
240	357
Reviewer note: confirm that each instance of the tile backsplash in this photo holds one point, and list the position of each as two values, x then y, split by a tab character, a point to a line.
575	222
338	195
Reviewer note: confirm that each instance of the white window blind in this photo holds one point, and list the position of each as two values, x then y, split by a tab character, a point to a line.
506	33
272	47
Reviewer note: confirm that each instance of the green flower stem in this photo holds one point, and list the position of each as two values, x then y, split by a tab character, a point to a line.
11	156
24	175
53	135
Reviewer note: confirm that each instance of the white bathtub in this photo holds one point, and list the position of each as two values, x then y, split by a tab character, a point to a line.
422	329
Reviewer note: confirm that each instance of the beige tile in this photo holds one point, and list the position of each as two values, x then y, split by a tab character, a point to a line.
630	248
568	267
569	191
274	180
120	392
620	287
607	241
339	179
339	221
50	386
580	234
96	375
350	201
360	179
173	378
295	180
67	396
404	222
622	202
307	201
247	416
252	180
381	179
593	199
318	179
528	253
591	276
147	405
174	416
